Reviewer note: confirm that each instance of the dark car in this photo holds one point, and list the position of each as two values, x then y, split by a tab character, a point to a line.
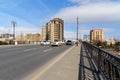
69	42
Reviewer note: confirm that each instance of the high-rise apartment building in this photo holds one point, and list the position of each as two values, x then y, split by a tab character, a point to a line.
96	35
44	31
57	29
53	30
48	33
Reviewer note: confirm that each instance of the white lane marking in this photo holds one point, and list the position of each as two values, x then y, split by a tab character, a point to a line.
47	50
14	48
30	49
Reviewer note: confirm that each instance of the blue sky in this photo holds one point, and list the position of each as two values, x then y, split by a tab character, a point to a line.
30	15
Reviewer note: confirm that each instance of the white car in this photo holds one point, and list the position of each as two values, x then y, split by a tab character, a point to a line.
56	43
45	43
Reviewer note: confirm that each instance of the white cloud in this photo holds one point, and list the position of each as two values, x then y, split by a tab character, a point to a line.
19	30
5	20
69	35
25	30
88	1
72	35
80	1
22	26
108	29
94	12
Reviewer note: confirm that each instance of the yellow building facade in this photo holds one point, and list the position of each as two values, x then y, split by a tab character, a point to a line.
53	30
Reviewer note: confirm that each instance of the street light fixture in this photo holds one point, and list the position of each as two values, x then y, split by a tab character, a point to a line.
14	24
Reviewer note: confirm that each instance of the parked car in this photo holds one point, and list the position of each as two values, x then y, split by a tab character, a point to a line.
45	43
69	42
56	43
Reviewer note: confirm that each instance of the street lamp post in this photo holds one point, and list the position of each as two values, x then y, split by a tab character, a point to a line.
14	24
77	31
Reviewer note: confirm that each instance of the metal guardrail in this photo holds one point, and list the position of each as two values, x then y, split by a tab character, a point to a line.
108	64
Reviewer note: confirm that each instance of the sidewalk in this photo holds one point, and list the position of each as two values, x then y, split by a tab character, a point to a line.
88	70
67	68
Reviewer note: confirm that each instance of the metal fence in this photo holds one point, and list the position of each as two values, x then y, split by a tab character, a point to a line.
108	64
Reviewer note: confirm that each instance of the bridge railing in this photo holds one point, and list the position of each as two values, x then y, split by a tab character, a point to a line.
108	64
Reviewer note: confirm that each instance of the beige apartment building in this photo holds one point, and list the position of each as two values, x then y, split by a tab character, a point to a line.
28	38
96	35
53	30
48	33
44	31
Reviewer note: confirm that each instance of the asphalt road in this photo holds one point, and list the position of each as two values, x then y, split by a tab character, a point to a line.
19	61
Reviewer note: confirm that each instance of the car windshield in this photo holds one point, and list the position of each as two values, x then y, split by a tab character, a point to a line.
69	41
56	41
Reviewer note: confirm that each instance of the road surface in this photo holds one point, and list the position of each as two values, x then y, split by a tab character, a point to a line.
17	62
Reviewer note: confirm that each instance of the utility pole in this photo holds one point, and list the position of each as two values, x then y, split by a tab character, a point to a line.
77	31
14	24
9	33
